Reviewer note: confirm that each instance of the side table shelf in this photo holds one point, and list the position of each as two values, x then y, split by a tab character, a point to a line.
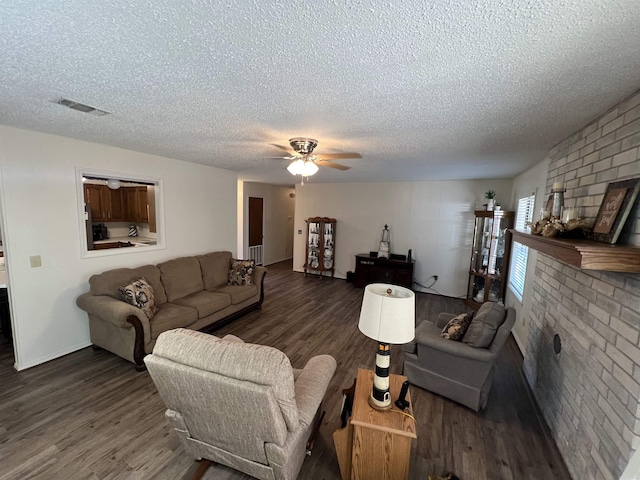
584	254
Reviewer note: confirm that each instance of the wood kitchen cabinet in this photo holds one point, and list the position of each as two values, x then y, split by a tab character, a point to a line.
106	204
94	198
136	204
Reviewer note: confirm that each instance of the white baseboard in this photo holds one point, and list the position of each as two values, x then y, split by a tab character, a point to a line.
278	261
38	361
520	345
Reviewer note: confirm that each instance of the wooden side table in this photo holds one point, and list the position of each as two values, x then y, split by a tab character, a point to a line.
375	444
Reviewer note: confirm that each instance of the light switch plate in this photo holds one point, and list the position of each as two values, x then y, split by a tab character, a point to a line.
35	261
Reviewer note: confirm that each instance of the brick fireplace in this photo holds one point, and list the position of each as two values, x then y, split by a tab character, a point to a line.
589	392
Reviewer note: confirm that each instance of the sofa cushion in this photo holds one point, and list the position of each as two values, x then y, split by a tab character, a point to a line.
107	283
241	272
181	277
457	327
171	316
484	325
215	268
238	293
205	302
140	294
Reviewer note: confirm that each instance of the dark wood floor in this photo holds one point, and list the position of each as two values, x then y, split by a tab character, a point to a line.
90	415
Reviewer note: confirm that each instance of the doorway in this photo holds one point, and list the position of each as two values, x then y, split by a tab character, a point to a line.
256	218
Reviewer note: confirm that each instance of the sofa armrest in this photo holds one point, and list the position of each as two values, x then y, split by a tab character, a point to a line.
258	279
311	385
111	310
428	336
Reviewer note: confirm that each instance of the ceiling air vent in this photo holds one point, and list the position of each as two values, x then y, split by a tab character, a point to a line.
81	107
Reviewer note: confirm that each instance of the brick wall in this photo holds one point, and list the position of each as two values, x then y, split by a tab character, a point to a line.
589	393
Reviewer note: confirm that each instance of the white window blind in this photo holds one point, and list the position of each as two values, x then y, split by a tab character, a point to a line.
520	253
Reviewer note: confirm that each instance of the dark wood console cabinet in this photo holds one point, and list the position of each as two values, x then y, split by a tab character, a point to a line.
382	270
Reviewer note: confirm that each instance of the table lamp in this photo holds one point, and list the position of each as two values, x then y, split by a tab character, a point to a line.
387	316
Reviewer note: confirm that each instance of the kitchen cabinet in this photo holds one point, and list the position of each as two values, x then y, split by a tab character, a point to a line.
106	204
320	255
136	204
94	198
490	250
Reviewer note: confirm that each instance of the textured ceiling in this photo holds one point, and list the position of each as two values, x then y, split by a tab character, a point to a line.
422	89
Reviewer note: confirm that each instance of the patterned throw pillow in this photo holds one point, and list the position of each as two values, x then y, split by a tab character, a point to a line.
140	294
457	326
241	272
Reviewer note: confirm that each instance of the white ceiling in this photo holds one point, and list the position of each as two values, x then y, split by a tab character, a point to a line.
422	89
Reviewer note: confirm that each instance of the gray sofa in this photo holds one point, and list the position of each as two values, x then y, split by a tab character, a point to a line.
459	370
190	292
239	404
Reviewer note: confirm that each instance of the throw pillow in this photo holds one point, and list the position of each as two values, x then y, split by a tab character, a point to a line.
457	327
485	324
140	294
241	272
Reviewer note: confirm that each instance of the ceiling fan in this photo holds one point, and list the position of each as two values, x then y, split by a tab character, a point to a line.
305	162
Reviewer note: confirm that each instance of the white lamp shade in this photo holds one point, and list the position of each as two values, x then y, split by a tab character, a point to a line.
388	318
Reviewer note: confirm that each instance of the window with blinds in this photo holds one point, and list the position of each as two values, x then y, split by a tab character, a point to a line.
519	252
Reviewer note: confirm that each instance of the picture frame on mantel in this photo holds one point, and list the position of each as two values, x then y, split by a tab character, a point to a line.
615	208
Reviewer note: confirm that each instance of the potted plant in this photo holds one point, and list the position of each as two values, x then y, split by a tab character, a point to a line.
490	195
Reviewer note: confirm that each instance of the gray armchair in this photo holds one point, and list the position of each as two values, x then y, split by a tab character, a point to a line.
239	404
459	370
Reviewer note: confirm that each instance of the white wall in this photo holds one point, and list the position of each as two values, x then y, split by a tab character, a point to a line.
278	220
434	219
40	213
532	181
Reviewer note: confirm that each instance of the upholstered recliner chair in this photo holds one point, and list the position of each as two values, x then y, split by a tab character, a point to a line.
239	404
459	370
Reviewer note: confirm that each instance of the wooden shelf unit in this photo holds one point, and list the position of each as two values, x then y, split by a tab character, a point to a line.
382	270
584	254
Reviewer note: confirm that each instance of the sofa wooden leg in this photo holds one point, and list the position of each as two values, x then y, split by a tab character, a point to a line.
141	368
204	465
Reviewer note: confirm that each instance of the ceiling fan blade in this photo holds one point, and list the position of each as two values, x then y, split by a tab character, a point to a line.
326	163
282	147
335	156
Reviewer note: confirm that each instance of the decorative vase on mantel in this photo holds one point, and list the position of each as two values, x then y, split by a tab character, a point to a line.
491	202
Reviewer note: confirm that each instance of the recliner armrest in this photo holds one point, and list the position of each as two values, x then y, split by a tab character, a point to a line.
443	318
311	385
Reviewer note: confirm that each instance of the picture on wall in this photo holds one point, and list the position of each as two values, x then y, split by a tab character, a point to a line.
617	203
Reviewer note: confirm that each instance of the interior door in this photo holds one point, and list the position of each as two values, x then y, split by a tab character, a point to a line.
256	216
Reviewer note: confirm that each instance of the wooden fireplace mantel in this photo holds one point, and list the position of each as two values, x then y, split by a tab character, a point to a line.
584	254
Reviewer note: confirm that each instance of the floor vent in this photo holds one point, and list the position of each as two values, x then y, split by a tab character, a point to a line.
81	107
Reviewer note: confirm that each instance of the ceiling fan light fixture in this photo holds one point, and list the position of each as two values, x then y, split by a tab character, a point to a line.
303	145
303	167
113	183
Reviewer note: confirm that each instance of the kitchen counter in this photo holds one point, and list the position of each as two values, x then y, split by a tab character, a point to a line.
136	241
